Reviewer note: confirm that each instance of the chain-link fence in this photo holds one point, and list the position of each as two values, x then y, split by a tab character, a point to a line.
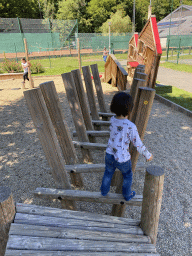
41	34
179	49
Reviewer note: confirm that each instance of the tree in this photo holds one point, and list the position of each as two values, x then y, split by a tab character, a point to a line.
21	9
120	23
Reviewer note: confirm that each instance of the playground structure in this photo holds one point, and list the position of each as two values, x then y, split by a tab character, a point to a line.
60	152
33	230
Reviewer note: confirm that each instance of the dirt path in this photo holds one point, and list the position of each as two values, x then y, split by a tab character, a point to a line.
23	166
181	80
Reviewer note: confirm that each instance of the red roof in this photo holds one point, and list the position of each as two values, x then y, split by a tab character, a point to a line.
133	64
136	38
156	35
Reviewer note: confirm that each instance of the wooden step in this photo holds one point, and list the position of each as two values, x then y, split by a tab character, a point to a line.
95	133
86	196
88	145
39	230
106	114
101	123
71	253
83	168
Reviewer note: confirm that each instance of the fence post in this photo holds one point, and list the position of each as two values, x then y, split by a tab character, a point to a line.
79	53
178	53
152	199
7	213
27	59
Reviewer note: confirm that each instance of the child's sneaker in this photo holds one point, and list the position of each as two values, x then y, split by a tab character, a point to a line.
130	197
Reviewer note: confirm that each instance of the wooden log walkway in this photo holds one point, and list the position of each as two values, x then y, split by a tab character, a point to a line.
39	231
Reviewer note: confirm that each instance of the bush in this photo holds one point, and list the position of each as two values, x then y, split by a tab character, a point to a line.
37	68
11	66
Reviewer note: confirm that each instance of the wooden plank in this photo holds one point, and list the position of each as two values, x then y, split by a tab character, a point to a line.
90	92
61	128
70	253
104	123
83	168
77	224
95	133
47	137
98	86
87	196
82	98
54	244
63	213
70	233
106	114
76	113
88	145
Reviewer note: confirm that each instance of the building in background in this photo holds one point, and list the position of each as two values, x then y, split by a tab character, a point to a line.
177	23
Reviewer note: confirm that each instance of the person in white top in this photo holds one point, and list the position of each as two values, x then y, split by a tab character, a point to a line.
122	132
25	64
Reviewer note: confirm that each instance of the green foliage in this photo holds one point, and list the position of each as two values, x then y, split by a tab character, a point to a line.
19	8
120	23
37	68
48	8
11	66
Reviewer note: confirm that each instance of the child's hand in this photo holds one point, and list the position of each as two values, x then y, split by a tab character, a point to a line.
151	158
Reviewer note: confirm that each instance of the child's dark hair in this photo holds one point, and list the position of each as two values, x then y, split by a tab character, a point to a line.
121	104
23	59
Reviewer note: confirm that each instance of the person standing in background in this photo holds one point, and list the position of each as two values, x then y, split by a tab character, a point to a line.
105	54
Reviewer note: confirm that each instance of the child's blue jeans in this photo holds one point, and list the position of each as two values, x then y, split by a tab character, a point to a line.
110	165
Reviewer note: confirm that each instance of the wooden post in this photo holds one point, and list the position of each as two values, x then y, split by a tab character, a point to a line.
7	213
152	199
76	113
143	112
83	102
135	95
61	128
27	59
48	139
79	53
144	108
98	86
90	93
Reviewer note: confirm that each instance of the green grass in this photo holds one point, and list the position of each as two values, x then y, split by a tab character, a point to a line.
180	97
57	66
179	67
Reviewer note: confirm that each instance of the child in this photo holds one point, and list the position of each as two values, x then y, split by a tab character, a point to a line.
105	54
122	132
25	66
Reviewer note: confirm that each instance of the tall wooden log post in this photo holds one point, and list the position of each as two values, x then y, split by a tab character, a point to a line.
144	108
76	113
48	139
143	112
31	82
152	199
7	213
61	128
99	90
90	92
83	102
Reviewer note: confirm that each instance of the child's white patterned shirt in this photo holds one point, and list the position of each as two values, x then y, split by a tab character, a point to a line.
122	132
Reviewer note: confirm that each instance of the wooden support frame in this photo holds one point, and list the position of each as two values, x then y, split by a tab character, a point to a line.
76	113
47	137
61	128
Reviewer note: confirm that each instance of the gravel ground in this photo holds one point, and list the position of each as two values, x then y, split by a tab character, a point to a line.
23	166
